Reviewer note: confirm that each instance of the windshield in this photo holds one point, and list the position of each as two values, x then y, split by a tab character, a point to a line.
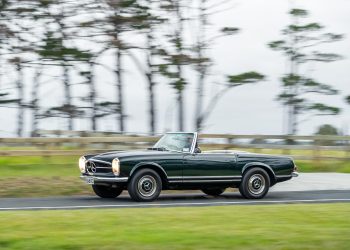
176	142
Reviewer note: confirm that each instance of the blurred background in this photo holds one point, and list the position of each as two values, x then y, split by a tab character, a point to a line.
238	67
90	76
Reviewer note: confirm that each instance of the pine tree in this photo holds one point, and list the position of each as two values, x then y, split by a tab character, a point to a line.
202	62
299	45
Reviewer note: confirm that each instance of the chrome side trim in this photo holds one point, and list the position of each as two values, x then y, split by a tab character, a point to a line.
204	177
106	179
204	181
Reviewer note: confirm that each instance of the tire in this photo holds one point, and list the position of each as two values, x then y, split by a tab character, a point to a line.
213	191
145	185
107	191
255	184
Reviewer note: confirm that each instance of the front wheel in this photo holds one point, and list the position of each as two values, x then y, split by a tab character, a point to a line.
107	191
145	185
255	184
213	191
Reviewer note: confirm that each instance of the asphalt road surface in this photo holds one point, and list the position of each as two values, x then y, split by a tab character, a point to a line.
173	200
307	188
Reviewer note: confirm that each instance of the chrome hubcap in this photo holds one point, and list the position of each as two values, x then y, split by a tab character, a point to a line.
147	185
256	184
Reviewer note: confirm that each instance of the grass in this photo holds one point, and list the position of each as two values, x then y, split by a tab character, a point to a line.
323	166
43	187
40	176
318	226
28	166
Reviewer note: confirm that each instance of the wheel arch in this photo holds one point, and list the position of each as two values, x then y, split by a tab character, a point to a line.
264	166
154	166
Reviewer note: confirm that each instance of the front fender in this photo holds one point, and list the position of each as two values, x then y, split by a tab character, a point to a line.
148	164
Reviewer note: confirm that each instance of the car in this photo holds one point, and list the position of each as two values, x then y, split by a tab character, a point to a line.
176	162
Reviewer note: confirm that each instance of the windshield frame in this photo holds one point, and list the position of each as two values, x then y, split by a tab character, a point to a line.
193	145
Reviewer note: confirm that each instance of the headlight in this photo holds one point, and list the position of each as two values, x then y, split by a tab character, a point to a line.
116	167
82	161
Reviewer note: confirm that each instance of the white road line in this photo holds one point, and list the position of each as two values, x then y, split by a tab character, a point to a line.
172	204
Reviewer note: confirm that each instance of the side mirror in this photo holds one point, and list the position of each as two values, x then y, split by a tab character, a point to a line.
197	150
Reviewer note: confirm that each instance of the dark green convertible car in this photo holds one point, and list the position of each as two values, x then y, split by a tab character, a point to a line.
176	162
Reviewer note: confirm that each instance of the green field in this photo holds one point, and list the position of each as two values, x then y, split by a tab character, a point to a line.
317	226
40	176
31	176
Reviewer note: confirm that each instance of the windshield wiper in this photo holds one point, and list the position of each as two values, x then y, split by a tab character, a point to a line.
159	149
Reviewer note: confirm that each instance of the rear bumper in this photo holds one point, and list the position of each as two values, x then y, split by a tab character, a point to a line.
281	178
104	179
295	174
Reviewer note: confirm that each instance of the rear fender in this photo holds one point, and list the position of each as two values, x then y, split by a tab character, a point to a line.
264	166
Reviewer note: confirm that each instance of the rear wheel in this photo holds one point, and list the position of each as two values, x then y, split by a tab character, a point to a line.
107	191
213	191
145	185
255	183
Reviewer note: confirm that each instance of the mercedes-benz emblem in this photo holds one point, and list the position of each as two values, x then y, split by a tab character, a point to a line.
93	167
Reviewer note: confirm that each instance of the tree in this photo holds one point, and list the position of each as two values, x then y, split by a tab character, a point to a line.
17	61
175	55
56	49
327	129
150	23
119	17
150	20
14	39
5	34
299	45
201	61
347	99
34	104
233	81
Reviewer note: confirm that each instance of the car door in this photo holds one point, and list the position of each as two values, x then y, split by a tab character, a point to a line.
210	166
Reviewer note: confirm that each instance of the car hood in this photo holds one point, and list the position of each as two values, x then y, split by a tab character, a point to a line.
109	156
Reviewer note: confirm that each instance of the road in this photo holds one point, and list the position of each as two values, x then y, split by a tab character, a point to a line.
307	188
173	200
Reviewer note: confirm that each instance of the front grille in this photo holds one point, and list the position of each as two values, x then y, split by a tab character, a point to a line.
98	167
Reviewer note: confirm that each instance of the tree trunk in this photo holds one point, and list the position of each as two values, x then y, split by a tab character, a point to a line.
20	114
199	102
179	46
34	103
92	97
68	95
180	102
293	89
201	67
120	90
152	111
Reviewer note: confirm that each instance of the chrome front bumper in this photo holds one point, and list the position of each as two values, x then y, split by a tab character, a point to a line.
104	179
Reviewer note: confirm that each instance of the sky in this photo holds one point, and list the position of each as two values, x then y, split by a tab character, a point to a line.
249	109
